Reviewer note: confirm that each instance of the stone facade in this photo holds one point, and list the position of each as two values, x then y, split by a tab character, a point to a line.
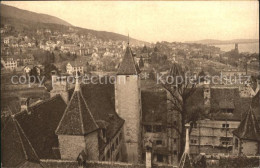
70	146
128	106
113	151
212	136
247	147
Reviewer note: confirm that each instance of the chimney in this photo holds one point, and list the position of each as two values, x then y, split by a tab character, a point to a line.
187	143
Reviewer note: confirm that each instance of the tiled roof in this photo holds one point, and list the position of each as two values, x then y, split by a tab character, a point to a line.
12	104
228	98
101	103
256	106
226	104
77	118
16	148
40	123
248	128
220	98
128	65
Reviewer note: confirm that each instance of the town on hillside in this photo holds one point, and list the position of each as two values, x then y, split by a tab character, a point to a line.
71	97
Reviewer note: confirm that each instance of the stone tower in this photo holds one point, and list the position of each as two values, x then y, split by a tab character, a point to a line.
78	131
59	86
128	106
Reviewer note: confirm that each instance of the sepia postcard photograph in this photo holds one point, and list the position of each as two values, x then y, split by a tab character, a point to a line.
130	84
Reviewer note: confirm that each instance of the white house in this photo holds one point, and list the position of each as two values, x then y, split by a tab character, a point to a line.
73	67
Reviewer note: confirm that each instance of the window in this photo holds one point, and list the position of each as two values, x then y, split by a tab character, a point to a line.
158	128
225	143
193	141
174	122
159	158
159	142
230	110
174	140
225	125
148	128
236	143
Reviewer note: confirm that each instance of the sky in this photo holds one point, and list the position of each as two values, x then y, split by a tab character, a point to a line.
153	21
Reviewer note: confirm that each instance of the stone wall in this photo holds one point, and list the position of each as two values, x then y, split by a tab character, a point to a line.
70	146
128	106
92	148
250	148
93	164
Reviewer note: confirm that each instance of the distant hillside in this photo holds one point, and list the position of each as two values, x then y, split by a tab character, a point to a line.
104	35
12	12
213	41
22	19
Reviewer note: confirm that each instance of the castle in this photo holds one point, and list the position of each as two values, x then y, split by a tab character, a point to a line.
98	122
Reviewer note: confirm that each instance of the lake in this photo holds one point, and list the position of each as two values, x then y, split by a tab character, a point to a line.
246	47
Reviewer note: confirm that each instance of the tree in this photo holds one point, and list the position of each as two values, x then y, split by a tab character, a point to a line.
180	91
34	74
47	70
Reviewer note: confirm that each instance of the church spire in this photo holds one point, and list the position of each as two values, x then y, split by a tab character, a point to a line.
128	65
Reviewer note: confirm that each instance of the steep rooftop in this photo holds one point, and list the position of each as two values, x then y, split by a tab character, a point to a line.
16	148
77	118
128	65
248	128
39	125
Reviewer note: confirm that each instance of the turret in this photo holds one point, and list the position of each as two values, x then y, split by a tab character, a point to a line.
128	106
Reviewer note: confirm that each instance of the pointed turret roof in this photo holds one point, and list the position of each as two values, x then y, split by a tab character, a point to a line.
128	65
16	148
175	70
77	118
248	128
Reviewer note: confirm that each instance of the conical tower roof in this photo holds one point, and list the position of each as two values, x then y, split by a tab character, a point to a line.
248	128
77	118
128	65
